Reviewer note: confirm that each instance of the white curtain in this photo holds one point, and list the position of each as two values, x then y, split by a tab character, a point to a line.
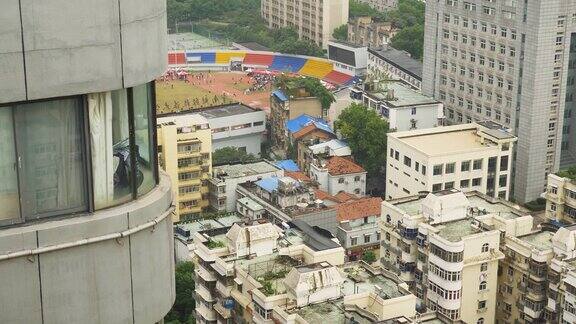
8	176
101	143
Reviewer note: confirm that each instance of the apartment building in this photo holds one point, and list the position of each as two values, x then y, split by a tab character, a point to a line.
445	246
398	103
260	273
82	199
370	32
470	157
185	146
508	62
286	200
381	5
330	148
313	20
386	62
232	125
339	174
358	229
284	108
225	179
561	199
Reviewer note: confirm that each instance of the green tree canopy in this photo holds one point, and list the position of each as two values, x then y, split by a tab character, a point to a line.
410	40
369	257
366	133
183	309
230	154
341	33
360	9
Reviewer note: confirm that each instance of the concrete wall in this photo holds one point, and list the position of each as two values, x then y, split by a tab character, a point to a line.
60	48
126	280
252	143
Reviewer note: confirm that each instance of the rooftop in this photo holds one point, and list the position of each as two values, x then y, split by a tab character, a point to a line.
542	240
400	59
358	279
330	312
287	165
250	204
443	140
404	96
333	144
280	95
206	224
219	111
296	124
298	175
359	208
309	129
243	170
253	46
454	231
337	165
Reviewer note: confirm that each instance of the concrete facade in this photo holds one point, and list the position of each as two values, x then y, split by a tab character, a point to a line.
89	47
79	270
313	20
186	148
561	199
466	157
507	62
403	108
387	62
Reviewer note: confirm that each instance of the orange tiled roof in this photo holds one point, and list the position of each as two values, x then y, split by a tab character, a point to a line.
307	130
360	208
323	195
338	165
297	175
343	196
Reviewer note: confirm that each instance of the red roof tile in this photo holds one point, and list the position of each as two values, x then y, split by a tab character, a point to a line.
343	196
338	165
360	208
298	175
307	130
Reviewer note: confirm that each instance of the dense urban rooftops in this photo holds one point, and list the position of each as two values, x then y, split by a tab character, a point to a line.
400	59
337	165
398	94
542	241
359	208
454	231
242	170
448	140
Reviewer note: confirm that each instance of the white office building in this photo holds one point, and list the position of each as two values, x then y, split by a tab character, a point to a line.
466	157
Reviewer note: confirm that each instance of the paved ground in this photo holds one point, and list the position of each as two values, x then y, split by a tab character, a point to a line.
209	89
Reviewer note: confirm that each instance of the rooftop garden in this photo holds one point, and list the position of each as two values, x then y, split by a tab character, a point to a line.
569	173
306	86
269	281
211	244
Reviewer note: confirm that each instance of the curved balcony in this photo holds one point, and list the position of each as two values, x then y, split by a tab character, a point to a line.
110	266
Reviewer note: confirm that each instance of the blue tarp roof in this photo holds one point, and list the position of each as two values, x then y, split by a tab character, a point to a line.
268	184
304	120
280	95
288	165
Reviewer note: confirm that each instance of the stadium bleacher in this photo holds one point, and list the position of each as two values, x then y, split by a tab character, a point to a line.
308	66
287	63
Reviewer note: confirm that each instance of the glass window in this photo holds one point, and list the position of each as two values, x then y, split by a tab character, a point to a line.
144	159
110	148
9	196
50	146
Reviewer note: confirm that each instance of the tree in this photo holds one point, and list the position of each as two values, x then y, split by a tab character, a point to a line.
183	309
366	133
230	154
411	40
369	257
360	9
341	33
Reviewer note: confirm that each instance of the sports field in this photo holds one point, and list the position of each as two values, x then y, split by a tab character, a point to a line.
210	89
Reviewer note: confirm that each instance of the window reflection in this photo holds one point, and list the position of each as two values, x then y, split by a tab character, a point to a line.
142	98
110	146
50	146
9	199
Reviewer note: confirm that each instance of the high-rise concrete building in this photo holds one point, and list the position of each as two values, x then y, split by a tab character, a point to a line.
438	245
509	62
85	227
185	145
313	20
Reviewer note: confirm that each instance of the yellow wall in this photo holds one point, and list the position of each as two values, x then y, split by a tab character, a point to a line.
169	139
